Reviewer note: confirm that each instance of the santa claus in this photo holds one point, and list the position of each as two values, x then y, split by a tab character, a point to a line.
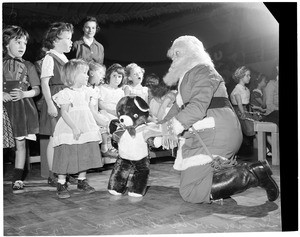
203	119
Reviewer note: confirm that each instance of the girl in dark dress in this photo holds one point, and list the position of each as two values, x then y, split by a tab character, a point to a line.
20	84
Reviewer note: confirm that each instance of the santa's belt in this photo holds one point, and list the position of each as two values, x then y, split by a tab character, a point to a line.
216	102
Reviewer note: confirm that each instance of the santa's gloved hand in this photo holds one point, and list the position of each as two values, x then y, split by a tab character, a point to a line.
169	138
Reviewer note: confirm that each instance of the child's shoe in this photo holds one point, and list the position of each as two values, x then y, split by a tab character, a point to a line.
52	181
84	186
62	190
111	152
18	186
70	179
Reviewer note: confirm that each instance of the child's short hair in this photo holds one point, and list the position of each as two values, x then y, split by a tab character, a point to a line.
70	69
152	80
93	66
90	18
54	32
157	87
130	67
115	68
240	73
10	32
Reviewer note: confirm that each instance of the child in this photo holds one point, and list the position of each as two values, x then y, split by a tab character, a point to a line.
111	92
240	98
76	136
58	41
96	78
256	95
135	76
18	76
162	97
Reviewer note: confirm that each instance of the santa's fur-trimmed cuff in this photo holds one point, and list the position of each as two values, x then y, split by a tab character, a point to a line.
177	126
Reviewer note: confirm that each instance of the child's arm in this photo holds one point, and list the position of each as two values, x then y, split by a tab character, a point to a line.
260	101
18	94
238	99
161	112
52	111
65	115
100	119
126	90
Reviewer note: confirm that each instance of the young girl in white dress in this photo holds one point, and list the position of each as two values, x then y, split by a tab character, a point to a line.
111	92
135	76
96	78
76	136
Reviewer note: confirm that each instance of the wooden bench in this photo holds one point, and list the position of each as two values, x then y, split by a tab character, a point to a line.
261	128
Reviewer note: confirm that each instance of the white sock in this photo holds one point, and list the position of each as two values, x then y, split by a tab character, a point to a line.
134	194
104	148
113	192
61	181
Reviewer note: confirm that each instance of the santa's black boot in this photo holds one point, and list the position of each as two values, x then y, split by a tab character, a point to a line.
238	179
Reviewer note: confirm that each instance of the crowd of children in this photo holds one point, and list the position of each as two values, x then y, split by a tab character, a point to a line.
78	100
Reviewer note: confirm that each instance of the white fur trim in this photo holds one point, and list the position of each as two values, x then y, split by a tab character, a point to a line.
134	194
177	126
179	99
208	122
115	193
157	142
182	164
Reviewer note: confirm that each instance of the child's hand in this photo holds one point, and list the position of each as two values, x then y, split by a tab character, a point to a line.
16	94
76	133
243	116
262	110
6	97
52	110
152	119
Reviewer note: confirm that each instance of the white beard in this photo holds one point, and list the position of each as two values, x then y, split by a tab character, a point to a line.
178	69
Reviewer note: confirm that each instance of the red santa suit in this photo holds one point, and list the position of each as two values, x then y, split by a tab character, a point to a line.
202	102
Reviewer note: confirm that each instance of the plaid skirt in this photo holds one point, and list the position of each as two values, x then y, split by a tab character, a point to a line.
8	137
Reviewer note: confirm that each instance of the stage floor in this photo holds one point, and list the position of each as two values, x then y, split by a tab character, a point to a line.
38	212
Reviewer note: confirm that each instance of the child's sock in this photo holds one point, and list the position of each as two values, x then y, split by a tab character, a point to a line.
61	181
81	178
17	174
104	148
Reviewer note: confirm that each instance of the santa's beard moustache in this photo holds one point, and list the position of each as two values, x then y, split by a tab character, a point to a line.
176	71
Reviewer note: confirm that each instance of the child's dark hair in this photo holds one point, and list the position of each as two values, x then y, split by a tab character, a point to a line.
90	18
10	32
54	32
115	68
157	87
258	80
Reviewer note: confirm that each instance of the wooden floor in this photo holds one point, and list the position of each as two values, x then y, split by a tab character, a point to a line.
39	212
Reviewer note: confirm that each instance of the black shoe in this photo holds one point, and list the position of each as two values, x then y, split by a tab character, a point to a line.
84	186
70	179
52	181
18	187
263	172
62	190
